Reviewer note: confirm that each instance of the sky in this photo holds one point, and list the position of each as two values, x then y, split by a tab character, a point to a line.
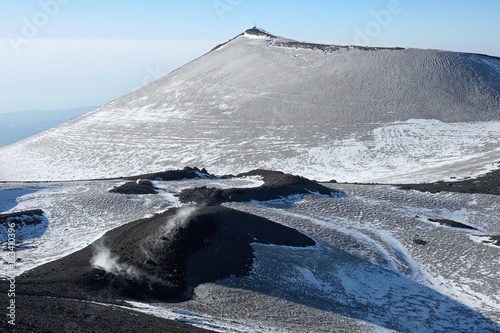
57	54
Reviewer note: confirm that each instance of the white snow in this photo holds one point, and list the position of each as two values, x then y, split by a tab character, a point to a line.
78	214
8	197
252	36
350	115
365	272
377	225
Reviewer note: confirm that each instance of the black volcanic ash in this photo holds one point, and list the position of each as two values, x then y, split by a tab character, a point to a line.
143	184
186	173
152	259
451	223
28	224
488	183
276	185
137	187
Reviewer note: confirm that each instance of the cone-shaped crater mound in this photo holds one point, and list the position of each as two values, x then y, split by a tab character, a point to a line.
162	258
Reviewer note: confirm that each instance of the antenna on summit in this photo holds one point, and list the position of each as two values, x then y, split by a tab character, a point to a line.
255	25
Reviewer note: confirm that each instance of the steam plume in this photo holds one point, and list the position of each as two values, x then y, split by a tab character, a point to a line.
105	260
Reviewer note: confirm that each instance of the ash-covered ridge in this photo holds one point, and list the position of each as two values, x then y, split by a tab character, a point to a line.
259	32
162	258
277	185
262	101
284	42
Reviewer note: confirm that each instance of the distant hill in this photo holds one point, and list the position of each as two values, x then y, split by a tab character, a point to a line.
17	126
349	113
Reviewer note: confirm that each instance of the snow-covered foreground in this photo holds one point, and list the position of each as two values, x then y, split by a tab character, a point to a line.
366	273
344	113
81	212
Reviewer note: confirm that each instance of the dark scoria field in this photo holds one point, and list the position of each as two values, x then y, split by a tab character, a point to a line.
261	251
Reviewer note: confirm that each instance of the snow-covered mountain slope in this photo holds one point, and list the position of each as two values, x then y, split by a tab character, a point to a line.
260	101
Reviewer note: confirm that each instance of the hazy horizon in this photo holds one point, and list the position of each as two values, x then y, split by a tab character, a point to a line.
62	54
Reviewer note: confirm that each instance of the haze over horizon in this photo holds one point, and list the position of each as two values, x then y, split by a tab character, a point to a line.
62	54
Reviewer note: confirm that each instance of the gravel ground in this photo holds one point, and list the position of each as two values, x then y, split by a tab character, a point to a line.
365	273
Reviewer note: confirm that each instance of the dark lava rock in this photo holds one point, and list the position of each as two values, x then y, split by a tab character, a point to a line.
451	223
486	184
495	240
186	173
419	241
28	217
303	45
137	187
258	32
276	185
331	48
161	258
142	184
28	224
44	314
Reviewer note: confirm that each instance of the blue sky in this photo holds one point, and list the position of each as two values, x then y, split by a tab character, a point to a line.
68	53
